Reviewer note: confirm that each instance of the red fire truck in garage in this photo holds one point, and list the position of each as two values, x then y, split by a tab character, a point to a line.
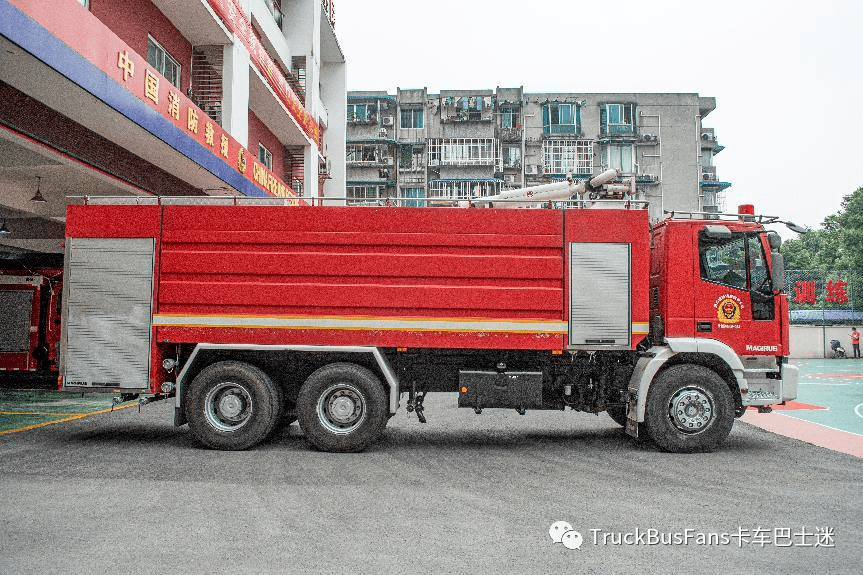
251	314
30	288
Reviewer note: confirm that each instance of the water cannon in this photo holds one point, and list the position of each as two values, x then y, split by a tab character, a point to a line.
556	191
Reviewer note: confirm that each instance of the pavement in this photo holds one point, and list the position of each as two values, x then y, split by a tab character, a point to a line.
89	491
828	411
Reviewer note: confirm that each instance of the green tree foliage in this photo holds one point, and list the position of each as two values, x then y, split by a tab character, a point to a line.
838	245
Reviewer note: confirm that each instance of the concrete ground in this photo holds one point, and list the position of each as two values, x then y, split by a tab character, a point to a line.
126	492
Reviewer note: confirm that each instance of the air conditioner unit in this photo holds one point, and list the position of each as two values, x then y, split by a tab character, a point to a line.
531	169
648	138
509	178
382	133
706	176
388	159
387	120
706	136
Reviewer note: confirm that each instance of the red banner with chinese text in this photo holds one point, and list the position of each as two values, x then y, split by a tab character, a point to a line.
235	20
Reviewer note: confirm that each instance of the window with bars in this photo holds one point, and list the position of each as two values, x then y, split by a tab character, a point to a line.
462	152
511	157
462	189
359	153
163	62
617	119
359	112
414	197
564	156
411	118
560	118
411	157
509	118
359	195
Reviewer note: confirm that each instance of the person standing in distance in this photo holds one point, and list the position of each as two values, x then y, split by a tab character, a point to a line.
855	341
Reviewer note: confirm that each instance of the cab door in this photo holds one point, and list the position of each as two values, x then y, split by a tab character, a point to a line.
736	303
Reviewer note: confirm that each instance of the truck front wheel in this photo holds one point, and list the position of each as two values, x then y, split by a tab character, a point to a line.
689	408
342	407
232	405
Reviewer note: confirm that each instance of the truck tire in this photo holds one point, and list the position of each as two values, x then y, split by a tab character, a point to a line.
689	409
618	414
232	406
342	407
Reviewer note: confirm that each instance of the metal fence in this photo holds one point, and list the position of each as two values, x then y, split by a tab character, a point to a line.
818	297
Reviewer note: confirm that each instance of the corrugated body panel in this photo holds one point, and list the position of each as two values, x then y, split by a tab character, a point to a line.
599	294
108	291
343	261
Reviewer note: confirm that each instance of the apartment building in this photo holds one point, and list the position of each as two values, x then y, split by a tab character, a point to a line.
164	98
414	146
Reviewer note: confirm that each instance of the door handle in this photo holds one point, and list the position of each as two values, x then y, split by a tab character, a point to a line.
704	327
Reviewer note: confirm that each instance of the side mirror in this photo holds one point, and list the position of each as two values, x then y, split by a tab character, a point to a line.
775	240
777	275
795	228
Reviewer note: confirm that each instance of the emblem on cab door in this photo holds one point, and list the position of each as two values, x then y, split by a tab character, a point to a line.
728	309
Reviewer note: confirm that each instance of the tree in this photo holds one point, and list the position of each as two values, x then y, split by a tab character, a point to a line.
838	245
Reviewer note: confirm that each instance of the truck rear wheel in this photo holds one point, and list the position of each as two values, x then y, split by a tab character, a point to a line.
232	405
342	407
689	408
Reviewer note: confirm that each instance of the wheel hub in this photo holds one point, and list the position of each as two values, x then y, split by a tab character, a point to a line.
228	406
691	410
341	408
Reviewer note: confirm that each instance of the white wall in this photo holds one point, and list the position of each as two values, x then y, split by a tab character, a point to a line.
814	341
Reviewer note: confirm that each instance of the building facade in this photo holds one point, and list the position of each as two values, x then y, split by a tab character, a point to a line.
165	98
460	143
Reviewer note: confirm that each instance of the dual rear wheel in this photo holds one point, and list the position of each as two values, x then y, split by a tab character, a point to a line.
233	405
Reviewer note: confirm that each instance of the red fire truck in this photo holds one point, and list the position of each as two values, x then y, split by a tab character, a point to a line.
30	287
250	315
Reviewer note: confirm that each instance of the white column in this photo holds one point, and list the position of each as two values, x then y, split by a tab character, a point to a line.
235	92
310	169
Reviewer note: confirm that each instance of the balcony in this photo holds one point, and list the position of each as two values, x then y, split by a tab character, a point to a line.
196	21
466	109
511	134
561	130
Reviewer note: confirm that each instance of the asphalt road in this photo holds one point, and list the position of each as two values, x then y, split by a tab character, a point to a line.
128	493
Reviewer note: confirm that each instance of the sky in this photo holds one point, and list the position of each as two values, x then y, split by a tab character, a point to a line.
787	75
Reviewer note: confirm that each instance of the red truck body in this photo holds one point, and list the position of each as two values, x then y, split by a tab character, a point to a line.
30	307
535	308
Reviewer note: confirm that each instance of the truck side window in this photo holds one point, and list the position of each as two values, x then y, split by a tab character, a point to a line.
758	266
761	286
723	260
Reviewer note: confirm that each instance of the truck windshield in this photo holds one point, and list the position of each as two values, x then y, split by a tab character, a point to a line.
737	261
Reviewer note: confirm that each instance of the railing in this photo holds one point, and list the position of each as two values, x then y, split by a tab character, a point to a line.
353	202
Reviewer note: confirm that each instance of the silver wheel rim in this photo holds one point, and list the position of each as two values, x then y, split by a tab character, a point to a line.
228	406
341	408
691	410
